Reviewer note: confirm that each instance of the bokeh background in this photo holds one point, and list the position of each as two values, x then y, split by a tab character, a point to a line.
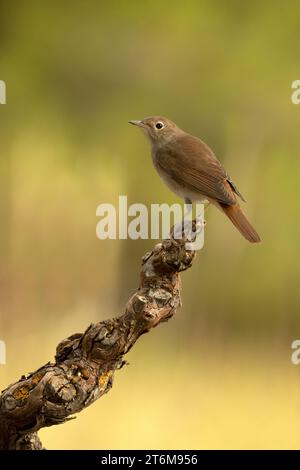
218	375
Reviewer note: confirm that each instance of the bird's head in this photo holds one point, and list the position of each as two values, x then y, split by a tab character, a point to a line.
158	129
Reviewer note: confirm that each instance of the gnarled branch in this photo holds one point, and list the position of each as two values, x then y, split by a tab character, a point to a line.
85	363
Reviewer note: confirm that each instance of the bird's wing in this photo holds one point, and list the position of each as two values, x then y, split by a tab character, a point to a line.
191	163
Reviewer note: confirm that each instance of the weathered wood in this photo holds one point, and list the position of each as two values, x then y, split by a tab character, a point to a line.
85	363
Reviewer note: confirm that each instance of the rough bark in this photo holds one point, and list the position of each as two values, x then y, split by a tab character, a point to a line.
85	363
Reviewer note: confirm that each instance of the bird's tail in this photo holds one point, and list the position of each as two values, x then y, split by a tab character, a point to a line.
238	218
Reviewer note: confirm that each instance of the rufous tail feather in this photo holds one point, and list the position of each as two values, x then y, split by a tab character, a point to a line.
240	221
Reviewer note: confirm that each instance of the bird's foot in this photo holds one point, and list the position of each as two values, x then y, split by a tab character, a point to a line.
191	231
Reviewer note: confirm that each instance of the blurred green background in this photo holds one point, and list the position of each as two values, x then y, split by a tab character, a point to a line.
219	374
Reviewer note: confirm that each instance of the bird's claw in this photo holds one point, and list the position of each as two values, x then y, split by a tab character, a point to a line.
189	230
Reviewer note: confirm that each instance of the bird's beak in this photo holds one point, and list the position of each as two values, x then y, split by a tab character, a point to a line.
136	123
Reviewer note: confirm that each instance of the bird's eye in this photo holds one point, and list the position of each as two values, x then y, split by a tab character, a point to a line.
159	125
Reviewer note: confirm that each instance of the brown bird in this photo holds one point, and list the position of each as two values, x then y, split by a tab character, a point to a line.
192	171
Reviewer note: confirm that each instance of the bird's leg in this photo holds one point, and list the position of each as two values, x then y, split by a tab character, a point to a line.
189	228
188	203
195	236
179	230
194	230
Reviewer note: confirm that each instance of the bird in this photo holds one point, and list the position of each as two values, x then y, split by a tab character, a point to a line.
191	170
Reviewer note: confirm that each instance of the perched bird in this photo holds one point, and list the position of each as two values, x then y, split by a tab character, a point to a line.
192	171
